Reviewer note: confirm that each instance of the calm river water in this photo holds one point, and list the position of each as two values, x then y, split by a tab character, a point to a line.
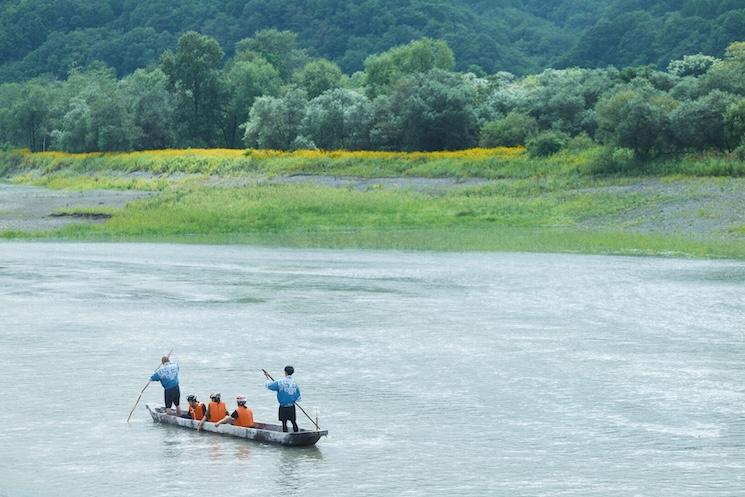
436	374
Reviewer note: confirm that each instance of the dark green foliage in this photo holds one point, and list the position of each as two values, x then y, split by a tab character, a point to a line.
613	160
522	36
152	107
279	48
739	152
700	124
338	119
547	143
734	121
95	115
385	70
641	32
275	122
194	77
514	129
728	75
244	81
408	99
634	118
31	112
435	111
318	76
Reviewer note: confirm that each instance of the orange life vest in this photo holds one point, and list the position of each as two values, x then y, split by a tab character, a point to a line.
217	411
198	411
245	417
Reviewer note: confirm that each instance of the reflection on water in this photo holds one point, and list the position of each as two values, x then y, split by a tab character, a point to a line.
437	374
244	452
215	449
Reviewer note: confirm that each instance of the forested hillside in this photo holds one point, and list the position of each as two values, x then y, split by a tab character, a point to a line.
520	36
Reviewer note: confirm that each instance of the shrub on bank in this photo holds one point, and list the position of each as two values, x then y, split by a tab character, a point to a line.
612	160
547	143
511	131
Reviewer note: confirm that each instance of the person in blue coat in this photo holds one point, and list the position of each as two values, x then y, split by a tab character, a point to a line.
287	394
167	375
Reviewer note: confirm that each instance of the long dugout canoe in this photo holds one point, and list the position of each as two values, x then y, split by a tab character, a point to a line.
261	432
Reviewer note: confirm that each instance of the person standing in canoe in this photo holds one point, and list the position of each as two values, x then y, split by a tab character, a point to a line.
287	394
167	375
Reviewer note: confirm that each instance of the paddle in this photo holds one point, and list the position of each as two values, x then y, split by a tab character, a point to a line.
306	414
143	391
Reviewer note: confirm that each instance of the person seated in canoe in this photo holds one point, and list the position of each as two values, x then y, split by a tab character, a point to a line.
242	416
287	394
197	410
167	375
216	411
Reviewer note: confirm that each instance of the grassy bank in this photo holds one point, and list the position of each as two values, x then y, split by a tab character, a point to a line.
485	163
493	163
547	205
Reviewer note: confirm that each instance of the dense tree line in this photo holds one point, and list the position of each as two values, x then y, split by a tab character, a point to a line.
272	94
52	37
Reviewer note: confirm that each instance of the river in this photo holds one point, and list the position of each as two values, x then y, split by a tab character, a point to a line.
436	374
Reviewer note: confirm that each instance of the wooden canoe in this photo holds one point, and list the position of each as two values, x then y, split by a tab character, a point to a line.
261	432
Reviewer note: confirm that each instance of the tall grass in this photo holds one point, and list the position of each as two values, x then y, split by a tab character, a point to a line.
487	163
287	208
492	163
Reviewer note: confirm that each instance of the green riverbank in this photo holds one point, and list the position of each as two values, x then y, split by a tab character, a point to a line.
517	204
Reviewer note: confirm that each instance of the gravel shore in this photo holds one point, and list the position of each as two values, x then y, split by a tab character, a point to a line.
32	208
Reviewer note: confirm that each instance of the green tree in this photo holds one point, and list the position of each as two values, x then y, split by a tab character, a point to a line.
728	75
318	76
386	130
700	124
8	95
194	78
279	48
152	108
436	112
547	143
691	65
31	115
510	131
339	119
634	118
96	116
688	88
419	56
274	122
734	122
244	82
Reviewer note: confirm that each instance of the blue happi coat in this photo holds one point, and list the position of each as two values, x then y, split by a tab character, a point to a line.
167	375
287	390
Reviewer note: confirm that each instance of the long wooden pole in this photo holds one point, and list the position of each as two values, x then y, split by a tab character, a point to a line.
306	414
143	390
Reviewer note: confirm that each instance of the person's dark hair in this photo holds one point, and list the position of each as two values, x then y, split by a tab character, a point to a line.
289	370
191	398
